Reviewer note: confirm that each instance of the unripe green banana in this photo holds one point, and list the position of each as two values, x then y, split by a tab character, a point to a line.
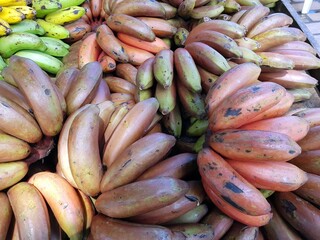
144	77
53	30
47	62
27	26
197	128
20	41
199	143
65	15
69	3
166	98
180	36
143	94
55	47
163	67
43	7
2	64
172	122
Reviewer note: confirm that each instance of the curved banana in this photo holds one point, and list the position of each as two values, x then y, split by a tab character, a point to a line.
43	7
89	50
63	200
77	30
5	28
11	15
84	156
127	71
53	30
163	68
30	211
65	15
27	26
45	61
167	97
11	173
20	41
12	148
159	26
144	76
252	16
29	12
37	87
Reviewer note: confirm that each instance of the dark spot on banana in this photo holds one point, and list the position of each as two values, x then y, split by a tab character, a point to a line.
47	91
292	151
289	207
5	104
192	198
255	89
233	187
232	203
75	12
232	112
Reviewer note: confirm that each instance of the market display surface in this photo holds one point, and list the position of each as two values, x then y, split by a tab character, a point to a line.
145	119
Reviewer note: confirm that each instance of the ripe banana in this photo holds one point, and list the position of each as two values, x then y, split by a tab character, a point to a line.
5	215
248	43
143	112
63	200
6	3
248	56
160	27
20	41
185	8
27	26
65	15
55	47
30	211
45	61
11	15
84	156
252	16
11	173
163	68
29	12
37	87
53	30
5	28
274	60
77	30
295	45
70	3
206	11
43	7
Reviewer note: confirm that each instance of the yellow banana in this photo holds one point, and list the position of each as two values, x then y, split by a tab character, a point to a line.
30	211
29	12
65	15
63	200
5	28
11	15
53	30
11	173
5	215
6	3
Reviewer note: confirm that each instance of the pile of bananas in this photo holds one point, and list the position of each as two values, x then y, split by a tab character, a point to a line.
174	119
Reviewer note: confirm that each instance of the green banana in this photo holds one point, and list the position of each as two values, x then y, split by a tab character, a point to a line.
43	7
53	30
172	122
197	128
2	64
69	3
20	41
28	26
55	47
199	143
65	15
144	77
166	98
47	62
163	67
266	193
180	36
143	94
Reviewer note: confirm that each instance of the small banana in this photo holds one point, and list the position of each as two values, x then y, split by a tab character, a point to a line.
53	30
29	12
44	7
47	62
27	26
5	28
20	41
65	15
163	67
167	97
55	47
11	15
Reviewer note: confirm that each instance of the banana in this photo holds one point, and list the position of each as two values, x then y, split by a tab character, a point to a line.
70	3
11	173
252	16
11	15
29	12
66	78
5	215
142	157
85	87
27	26
89	50
63	150
127	71
206	11
77	30
231	7
197	128
225	45
43	7
274	60
85	162
167	97
180	37
20	41
30	211
207	78
55	47
248	56
237	15
5	28
63	200
102	94
248	43
120	85
277	36
3	64
37	87
295	45
16	121
273	20
131	26
207	57
140	8
65	15
185	8
12	148
106	108
187	71
53	30
144	76
163	68
143	112
6	3
300	94
159	26
141	95
110	44
46	62
192	102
